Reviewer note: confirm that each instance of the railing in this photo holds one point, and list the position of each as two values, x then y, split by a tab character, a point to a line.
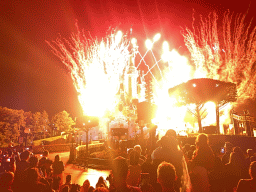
81	150
52	148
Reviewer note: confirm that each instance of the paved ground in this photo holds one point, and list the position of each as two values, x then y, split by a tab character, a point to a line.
79	175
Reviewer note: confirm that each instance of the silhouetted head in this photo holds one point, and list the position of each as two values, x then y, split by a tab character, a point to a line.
6	179
168	142
24	155
134	158
100	180
171	133
249	152
91	189
120	168
57	158
101	189
239	151
137	148
166	174
68	178
33	161
202	140
228	146
45	153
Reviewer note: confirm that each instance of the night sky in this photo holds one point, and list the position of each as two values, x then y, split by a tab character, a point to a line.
34	79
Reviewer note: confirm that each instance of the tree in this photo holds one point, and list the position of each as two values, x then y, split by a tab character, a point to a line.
44	122
12	122
6	130
36	122
28	119
63	122
40	122
225	50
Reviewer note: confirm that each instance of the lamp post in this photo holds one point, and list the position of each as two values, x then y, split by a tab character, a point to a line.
87	143
87	122
72	150
26	131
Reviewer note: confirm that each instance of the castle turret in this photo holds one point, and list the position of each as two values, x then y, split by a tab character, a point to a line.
131	79
141	87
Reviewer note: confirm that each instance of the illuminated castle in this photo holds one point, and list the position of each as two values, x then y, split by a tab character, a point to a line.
132	90
133	85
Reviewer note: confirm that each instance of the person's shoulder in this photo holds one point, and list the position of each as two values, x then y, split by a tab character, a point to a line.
23	163
48	162
157	151
243	184
43	159
143	157
133	189
253	158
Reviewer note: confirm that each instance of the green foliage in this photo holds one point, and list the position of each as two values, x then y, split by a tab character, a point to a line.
11	121
63	121
40	122
28	119
36	122
39	142
14	122
105	154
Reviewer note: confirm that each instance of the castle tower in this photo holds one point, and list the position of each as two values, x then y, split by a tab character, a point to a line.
141	87
131	79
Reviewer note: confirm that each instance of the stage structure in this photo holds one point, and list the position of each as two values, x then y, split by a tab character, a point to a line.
244	124
199	91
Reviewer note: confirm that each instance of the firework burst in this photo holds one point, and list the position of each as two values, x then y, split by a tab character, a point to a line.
96	68
226	51
99	67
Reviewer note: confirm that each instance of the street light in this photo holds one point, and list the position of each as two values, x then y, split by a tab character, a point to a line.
87	122
26	131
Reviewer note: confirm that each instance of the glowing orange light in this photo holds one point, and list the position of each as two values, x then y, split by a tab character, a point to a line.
134	41
149	44
165	47
118	37
157	37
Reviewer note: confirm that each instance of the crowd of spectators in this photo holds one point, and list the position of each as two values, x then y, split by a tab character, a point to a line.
170	167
